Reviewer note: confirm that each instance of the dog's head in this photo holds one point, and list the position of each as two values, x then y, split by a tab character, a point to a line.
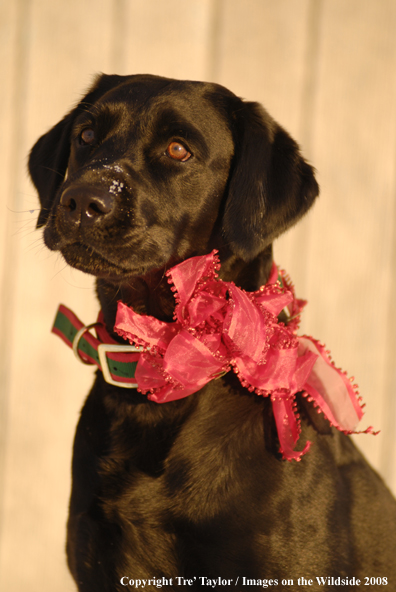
146	171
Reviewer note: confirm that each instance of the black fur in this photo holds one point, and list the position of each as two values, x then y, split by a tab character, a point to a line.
195	488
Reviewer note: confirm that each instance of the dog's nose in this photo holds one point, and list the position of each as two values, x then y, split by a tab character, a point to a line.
87	205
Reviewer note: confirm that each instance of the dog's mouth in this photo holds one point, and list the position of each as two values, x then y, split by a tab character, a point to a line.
85	258
89	260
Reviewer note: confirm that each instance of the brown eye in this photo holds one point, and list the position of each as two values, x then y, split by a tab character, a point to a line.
87	136
177	151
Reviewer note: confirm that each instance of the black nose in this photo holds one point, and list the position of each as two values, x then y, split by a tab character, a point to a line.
86	204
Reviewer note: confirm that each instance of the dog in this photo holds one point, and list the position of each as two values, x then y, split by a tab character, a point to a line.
146	173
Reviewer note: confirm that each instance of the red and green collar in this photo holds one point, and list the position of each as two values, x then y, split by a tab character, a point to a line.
116	361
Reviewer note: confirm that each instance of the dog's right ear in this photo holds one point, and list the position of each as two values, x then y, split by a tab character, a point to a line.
49	157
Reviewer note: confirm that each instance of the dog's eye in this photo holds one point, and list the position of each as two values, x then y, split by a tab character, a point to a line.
177	151
87	136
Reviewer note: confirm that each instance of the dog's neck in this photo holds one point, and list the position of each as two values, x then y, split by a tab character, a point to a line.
151	294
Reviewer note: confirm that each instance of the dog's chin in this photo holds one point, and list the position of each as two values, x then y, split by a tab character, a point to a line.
88	260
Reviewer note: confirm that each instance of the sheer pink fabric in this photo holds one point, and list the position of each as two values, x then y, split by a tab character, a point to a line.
218	327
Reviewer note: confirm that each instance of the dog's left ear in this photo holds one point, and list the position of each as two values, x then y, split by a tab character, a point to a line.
271	186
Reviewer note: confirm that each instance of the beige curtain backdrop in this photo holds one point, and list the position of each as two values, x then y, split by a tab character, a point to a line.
326	70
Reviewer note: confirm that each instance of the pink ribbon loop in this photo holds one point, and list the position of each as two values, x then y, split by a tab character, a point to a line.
218	326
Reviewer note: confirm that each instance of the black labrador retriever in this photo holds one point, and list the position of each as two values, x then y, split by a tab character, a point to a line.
144	174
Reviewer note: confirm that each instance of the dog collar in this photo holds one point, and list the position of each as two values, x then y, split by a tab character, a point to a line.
219	327
116	361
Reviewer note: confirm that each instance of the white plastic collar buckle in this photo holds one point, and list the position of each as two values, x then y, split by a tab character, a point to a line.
103	350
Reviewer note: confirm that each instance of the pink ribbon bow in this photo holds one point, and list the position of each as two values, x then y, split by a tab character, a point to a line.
217	327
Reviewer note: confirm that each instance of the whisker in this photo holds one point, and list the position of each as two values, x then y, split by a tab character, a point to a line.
29	211
62	175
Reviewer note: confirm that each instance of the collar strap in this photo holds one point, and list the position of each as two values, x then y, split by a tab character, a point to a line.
117	362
